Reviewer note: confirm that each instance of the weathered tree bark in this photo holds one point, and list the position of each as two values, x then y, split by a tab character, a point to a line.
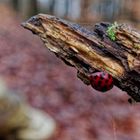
103	47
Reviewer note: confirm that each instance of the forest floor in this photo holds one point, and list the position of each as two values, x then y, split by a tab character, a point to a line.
81	112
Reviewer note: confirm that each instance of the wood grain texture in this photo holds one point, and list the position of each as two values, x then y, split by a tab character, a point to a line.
91	49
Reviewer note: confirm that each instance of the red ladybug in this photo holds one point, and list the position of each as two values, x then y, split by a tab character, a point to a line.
101	81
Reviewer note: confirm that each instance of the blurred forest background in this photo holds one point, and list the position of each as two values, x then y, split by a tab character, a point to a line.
30	69
81	10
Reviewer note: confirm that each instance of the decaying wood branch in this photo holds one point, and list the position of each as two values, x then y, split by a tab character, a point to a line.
105	47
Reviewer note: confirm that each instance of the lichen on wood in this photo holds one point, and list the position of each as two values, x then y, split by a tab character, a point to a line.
93	50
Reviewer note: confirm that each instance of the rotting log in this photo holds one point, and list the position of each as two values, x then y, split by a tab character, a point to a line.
114	48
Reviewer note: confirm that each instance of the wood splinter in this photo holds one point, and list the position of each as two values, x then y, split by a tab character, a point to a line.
113	48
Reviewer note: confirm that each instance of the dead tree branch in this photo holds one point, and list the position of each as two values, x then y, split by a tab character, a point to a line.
104	47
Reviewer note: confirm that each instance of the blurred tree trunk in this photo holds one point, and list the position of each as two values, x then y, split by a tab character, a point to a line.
135	11
34	7
28	7
52	5
15	4
67	4
84	9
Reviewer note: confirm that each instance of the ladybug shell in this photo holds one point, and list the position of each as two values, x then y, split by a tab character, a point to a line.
101	81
